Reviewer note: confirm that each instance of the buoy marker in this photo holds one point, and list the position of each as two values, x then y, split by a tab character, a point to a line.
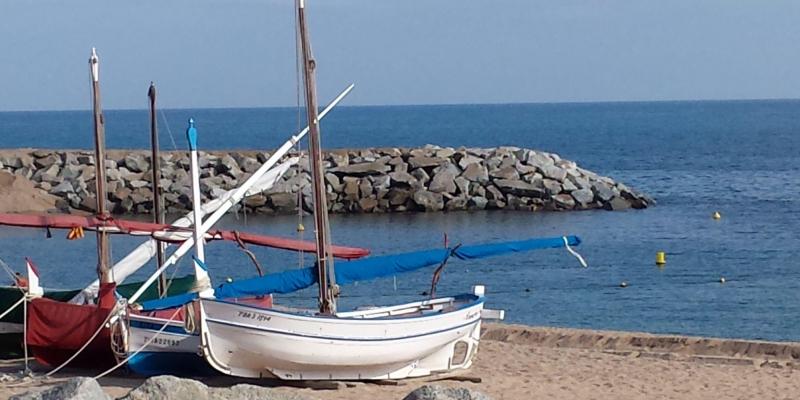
722	279
716	215
623	284
661	258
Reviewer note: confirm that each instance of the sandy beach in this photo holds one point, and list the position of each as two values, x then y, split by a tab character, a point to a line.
520	362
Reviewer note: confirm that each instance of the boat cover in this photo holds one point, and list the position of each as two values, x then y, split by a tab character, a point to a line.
368	268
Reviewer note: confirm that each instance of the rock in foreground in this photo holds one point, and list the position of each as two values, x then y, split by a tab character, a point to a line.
167	387
73	389
436	392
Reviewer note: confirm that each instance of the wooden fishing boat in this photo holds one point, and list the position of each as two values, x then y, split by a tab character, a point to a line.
394	342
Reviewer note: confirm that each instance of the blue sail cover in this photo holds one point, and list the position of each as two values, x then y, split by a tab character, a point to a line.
359	270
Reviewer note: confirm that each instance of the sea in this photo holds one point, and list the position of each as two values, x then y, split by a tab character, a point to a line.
738	158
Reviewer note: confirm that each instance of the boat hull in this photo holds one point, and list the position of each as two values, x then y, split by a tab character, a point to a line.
255	342
173	349
11	325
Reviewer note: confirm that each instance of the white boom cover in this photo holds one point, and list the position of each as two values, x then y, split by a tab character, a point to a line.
147	250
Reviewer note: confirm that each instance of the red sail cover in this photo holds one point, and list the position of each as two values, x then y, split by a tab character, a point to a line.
57	330
162	231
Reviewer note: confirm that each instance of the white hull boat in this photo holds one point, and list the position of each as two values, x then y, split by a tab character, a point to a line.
409	340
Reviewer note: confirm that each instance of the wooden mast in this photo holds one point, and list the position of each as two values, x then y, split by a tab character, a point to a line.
100	171
327	284
158	194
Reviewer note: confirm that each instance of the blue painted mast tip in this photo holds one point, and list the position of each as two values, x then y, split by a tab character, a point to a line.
191	135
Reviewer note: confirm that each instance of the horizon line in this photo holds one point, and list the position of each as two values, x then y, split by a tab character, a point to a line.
428	104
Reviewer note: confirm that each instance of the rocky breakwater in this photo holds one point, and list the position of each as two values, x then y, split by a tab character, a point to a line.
431	178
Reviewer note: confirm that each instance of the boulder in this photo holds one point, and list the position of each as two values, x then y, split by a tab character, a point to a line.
168	387
402	179
136	162
397	197
457	203
47	161
468	160
552	187
554	172
538	159
62	189
476	173
362	169
437	392
424	162
79	388
616	204
443	182
505	173
367	204
477	202
603	191
583	196
429	201
463	185
420	175
519	188
564	201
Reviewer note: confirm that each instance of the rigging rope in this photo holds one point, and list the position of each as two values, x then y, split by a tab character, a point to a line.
147	343
85	345
574	253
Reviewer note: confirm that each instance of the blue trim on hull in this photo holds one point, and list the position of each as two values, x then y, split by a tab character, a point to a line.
151	363
342	339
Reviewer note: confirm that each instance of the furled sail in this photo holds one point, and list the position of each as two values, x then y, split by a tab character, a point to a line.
365	269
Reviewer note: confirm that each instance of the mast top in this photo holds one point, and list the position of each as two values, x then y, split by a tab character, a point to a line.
191	134
151	91
93	61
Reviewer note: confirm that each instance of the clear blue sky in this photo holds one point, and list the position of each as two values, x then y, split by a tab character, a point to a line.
240	53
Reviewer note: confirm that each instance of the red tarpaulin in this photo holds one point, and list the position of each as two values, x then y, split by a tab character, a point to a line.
162	231
56	331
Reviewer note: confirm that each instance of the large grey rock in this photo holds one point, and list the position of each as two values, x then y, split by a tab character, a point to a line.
402	178
564	201
47	161
443	182
538	159
467	160
136	162
554	172
519	188
362	169
62	188
477	202
603	191
583	196
617	203
552	187
421	175
476	173
397	197
423	162
437	392
505	173
168	387
429	201
79	388
251	392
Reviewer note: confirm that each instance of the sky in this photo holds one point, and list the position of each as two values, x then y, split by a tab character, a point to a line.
241	53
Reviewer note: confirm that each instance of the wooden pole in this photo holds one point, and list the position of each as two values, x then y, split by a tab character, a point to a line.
158	193
327	284
100	175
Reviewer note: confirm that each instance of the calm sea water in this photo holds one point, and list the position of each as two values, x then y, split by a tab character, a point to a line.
739	158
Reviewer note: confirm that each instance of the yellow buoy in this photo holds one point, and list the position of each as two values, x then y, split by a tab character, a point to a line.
300	228
716	215
661	258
